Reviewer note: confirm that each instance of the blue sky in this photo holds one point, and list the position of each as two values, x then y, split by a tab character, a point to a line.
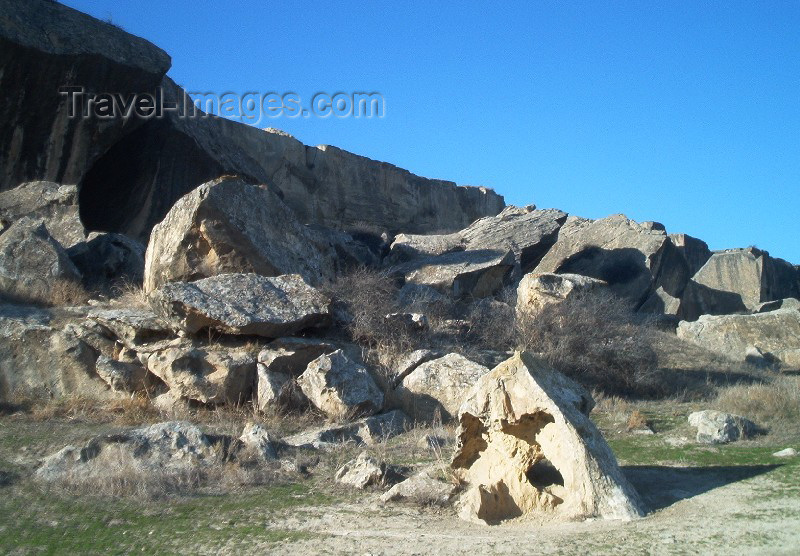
683	112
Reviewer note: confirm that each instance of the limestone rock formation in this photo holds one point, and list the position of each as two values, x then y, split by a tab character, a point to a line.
461	274
695	251
258	439
633	259
788	303
340	387
527	448
736	281
164	448
210	375
132	326
776	333
123	376
407	247
32	263
367	431
716	427
361	472
56	205
438	387
246	304
537	291
273	389
229	226
424	488
45	46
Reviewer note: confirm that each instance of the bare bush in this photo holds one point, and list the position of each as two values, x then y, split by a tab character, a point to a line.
596	339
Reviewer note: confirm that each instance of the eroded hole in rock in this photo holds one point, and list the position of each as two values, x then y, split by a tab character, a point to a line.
543	474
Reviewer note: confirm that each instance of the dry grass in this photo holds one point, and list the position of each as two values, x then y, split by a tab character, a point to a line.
129	294
768	402
637	421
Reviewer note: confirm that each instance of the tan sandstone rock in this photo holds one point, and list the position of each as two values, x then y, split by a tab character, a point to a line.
527	448
539	290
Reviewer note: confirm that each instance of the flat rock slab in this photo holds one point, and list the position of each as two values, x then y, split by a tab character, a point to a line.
247	304
367	431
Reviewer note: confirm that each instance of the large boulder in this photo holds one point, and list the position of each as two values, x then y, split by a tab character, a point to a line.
538	291
462	273
230	226
736	281
525	231
56	205
528	448
246	304
438	387
633	259
45	356
776	333
340	387
164	448
695	251
717	427
209	375
45	46
34	266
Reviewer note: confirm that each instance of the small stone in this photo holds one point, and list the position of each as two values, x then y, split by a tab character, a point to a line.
786	453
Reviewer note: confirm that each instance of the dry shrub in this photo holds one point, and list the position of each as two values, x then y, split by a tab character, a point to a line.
129	294
596	339
637	421
778	400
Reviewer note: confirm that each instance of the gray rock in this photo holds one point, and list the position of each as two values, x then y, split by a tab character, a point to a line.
776	333
164	448
461	274
210	375
33	264
340	387
229	226
694	251
123	376
407	247
362	472
132	326
634	260
438	387
105	260
424	488
367	431
273	389
785	453
413	360
788	303
738	281
537	291
246	304
291	356
56	205
716	427
257	438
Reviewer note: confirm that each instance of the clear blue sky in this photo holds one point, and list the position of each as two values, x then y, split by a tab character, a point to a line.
683	112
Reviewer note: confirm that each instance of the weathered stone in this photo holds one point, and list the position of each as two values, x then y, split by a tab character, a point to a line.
407	247
163	448
461	274
107	260
362	472
291	356
45	46
257	438
527	447
367	431
123	376
785	453
776	333
537	291
340	387
229	226
132	326
246	304
413	360
273	389
42	357
527	232
738	281
694	251
208	375
32	263
634	260
56	205
424	488
716	427
438	387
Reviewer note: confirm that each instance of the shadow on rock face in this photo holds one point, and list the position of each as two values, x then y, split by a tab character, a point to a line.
662	486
